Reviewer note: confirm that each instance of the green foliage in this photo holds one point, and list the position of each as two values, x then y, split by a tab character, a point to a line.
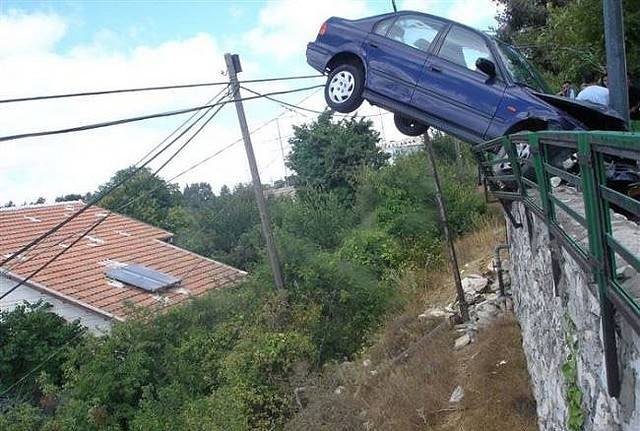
373	249
144	197
565	37
318	216
575	417
327	154
22	417
230	360
30	335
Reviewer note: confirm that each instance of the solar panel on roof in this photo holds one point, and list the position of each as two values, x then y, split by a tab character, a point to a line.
142	277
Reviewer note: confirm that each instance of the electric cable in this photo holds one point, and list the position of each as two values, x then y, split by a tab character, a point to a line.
144	157
140	118
98	198
141	89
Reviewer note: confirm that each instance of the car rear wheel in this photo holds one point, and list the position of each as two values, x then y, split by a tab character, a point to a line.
344	88
408	126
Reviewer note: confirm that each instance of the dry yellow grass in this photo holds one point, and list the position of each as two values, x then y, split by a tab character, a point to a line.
414	368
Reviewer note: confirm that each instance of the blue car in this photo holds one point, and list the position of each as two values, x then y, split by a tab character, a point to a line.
431	71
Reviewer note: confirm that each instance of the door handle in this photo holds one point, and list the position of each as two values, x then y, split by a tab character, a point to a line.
435	69
373	45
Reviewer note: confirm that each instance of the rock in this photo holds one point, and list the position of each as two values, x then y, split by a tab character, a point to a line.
436	313
366	363
491	266
456	395
474	284
462	341
339	390
491	297
555	181
626	272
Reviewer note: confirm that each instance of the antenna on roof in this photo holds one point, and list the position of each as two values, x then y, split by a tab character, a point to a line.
393	3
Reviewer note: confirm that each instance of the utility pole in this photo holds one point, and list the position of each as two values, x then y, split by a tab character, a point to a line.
284	163
453	259
616	57
233	67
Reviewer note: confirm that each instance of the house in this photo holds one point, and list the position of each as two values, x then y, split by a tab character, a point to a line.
122	262
402	147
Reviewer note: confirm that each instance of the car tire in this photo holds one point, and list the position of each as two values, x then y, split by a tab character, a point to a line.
408	126
344	88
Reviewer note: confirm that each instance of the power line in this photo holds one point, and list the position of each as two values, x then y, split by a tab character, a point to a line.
50	261
141	89
177	128
145	156
97	198
140	118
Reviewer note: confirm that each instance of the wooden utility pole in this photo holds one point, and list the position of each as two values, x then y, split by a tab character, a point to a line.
453	259
233	67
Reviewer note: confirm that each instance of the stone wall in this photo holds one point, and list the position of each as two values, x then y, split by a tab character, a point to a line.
564	317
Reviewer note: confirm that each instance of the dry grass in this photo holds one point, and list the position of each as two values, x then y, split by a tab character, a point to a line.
412	394
415	368
493	373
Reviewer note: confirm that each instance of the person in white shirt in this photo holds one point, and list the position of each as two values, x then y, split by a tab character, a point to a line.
592	92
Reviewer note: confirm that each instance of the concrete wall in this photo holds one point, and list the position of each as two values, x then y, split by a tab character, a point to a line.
96	323
554	317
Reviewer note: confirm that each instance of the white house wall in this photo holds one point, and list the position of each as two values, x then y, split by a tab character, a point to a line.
94	322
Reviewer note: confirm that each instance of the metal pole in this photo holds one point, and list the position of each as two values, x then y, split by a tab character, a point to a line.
233	67
453	259
284	164
616	58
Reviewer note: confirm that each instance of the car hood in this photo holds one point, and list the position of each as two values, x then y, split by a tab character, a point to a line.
593	116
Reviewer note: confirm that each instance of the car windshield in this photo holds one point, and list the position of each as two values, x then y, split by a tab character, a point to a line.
521	71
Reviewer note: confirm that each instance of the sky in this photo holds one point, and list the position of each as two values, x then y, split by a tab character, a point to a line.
49	47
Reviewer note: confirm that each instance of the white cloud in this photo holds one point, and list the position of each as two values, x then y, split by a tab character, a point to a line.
79	162
285	26
22	33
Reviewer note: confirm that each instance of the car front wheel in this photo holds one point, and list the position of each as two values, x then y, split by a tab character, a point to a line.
344	88
408	126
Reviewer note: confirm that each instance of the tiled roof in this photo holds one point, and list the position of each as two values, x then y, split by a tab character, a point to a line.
78	275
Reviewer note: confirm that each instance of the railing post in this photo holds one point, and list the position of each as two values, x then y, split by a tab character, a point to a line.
598	225
542	179
510	149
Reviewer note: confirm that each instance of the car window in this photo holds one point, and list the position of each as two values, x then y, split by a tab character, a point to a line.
382	27
464	47
415	31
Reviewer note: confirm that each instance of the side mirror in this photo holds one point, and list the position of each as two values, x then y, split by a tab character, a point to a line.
486	66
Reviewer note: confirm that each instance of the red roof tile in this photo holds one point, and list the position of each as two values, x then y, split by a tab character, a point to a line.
78	275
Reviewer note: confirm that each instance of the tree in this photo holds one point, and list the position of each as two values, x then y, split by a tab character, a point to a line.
327	154
197	194
565	37
69	197
144	197
30	335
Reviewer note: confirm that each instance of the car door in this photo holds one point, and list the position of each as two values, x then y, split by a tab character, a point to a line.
452	89
395	52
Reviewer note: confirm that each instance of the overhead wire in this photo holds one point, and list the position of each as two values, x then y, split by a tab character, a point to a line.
141	117
156	171
187	273
156	88
99	197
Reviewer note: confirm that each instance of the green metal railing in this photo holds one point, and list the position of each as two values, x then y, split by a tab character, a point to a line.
585	230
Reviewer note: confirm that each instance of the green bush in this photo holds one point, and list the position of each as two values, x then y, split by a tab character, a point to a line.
32	336
374	249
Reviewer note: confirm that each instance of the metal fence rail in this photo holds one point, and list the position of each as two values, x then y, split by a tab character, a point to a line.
531	162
